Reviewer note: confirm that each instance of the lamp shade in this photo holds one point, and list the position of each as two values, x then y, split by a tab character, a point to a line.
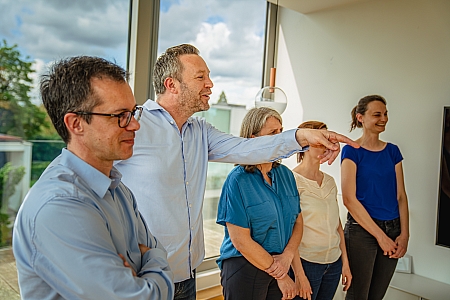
271	96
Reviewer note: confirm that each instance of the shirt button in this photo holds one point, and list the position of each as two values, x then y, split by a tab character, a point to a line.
192	228
190	204
187	183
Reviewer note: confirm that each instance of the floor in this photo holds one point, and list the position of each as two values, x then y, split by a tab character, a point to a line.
9	288
213	237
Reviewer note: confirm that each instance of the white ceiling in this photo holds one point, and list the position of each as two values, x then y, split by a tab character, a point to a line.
309	6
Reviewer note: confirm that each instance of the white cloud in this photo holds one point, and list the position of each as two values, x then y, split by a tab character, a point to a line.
232	44
229	34
212	37
53	29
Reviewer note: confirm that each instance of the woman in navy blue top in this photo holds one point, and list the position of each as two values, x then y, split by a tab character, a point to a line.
377	228
259	207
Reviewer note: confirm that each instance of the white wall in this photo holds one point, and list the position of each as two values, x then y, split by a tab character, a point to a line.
396	48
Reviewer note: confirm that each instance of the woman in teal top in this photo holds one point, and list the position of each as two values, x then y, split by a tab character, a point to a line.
259	207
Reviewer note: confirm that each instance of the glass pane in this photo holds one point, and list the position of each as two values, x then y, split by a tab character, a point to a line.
230	37
220	117
33	34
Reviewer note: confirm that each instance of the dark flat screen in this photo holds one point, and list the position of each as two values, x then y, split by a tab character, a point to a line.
443	218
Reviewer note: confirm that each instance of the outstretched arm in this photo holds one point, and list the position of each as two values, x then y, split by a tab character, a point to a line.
224	147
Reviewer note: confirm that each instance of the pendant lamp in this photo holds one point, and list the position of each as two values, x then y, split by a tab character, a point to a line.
271	96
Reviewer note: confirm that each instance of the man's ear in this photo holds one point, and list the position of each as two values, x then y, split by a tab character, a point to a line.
171	85
73	124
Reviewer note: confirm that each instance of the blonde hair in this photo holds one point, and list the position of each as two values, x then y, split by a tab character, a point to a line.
310	125
252	124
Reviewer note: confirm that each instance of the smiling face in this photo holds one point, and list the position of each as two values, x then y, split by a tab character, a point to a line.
195	86
375	118
103	140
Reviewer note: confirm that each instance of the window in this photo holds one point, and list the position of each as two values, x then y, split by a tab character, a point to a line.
45	31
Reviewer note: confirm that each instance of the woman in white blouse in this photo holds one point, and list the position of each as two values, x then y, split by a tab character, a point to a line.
322	249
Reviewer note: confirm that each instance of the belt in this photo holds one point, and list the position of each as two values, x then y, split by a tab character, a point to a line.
381	223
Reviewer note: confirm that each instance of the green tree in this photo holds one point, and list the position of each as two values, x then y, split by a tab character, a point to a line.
46	146
9	178
18	115
222	98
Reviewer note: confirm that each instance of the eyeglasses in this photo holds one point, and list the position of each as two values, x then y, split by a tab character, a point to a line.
123	119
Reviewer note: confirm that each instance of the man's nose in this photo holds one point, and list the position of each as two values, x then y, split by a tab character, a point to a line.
209	83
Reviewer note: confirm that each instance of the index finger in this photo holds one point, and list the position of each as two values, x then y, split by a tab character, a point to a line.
337	137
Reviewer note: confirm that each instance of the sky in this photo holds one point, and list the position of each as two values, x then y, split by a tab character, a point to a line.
228	33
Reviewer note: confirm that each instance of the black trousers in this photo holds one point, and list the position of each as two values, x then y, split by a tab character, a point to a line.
243	281
371	269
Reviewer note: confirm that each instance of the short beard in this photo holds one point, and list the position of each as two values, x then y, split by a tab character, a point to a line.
190	103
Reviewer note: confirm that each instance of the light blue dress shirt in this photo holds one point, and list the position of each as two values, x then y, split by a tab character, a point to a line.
167	174
269	211
69	231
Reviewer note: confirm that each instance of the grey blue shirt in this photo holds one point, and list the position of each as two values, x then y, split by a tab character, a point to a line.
167	174
69	231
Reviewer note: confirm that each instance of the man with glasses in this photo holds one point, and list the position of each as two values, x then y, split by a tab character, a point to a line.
167	171
79	234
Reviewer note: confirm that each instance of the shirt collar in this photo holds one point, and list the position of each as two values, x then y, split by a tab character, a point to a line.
153	105
96	180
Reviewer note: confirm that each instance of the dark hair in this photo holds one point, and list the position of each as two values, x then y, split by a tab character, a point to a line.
253	122
361	108
67	87
310	125
168	64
